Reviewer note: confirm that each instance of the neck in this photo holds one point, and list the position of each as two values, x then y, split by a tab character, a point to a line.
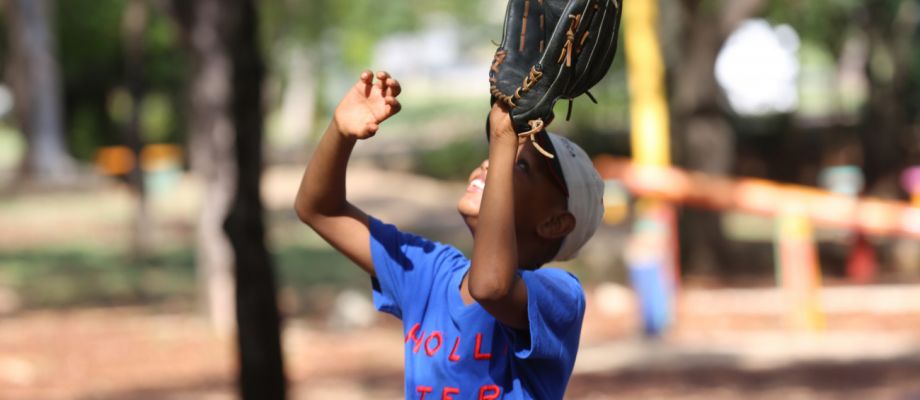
535	253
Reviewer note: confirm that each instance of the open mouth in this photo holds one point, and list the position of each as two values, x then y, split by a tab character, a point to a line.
476	186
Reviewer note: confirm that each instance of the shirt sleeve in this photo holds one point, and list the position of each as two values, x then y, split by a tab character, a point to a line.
405	266
555	310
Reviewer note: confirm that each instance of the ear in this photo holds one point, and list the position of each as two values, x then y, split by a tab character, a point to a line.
557	225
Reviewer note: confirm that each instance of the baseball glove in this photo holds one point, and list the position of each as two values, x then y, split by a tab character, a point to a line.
552	49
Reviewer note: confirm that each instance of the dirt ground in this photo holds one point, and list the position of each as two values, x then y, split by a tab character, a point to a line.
726	344
140	353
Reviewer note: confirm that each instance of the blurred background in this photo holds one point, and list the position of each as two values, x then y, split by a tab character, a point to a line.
762	235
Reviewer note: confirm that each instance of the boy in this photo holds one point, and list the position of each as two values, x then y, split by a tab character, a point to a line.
496	326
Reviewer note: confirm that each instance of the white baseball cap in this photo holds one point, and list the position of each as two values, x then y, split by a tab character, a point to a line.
585	194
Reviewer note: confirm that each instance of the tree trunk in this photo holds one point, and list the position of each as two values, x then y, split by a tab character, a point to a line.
885	134
34	77
134	24
704	137
226	118
258	319
212	158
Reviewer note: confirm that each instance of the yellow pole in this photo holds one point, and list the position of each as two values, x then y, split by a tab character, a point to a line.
645	66
650	142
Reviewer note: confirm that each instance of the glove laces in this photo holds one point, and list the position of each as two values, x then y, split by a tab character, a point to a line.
536	126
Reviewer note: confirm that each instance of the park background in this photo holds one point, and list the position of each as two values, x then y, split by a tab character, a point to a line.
150	151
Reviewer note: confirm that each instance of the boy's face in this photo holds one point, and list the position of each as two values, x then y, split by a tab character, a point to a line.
536	193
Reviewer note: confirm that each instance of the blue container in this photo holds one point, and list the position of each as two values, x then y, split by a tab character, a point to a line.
654	296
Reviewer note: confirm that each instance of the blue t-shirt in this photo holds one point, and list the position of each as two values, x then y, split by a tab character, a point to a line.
458	351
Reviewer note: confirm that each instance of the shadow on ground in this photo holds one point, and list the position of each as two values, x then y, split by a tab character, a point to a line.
894	378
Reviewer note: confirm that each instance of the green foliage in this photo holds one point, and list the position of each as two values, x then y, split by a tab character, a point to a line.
120	105
12	147
79	276
157	114
308	21
73	276
824	25
454	160
301	21
84	133
354	25
819	21
89	42
93	65
166	63
157	118
89	53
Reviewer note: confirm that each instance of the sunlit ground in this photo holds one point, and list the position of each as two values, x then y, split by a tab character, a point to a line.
83	319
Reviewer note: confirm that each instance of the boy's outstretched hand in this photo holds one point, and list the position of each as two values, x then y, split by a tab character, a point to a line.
500	125
366	105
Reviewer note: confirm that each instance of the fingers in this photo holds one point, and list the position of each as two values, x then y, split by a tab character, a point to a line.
367	76
395	107
388	86
395	88
372	128
382	77
388	89
500	122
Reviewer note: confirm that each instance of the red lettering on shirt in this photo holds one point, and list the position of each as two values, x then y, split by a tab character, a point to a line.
453	353
423	390
411	335
428	349
476	354
445	395
493	392
418	344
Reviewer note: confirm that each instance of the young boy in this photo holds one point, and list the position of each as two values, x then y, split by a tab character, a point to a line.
496	326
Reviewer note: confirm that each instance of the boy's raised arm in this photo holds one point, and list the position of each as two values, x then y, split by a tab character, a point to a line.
321	201
493	279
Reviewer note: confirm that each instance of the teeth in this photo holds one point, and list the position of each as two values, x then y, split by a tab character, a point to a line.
478	183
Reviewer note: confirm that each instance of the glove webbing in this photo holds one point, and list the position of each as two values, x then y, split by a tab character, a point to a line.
537	125
534	76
